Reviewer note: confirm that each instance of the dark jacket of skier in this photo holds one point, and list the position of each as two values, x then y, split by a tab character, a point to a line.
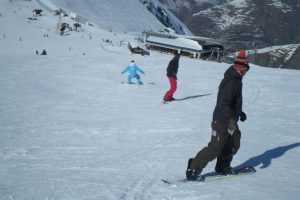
230	99
172	68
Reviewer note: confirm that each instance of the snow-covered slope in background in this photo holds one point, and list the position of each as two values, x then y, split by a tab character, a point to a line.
278	50
166	16
70	130
121	16
279	56
132	15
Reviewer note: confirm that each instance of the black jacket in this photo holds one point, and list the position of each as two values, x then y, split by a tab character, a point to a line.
230	99
172	68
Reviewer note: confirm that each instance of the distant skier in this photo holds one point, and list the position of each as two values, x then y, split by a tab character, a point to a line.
225	137
44	52
172	70
133	72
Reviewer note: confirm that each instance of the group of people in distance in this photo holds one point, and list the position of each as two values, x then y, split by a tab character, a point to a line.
226	135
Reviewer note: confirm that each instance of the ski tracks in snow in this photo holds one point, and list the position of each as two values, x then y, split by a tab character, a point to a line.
141	189
148	186
156	190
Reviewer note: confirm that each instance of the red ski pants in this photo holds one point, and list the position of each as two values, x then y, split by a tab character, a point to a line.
173	87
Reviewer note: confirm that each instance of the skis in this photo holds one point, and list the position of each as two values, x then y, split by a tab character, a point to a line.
213	176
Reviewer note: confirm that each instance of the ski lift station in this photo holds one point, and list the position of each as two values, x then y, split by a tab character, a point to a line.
192	46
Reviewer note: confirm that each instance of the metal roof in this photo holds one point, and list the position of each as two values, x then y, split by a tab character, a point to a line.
202	40
175	43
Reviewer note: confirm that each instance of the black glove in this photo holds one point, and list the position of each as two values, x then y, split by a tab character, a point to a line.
243	116
232	126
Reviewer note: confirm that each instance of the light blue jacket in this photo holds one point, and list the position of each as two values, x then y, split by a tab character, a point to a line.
133	70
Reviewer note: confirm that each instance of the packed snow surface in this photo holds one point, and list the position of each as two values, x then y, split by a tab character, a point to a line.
70	130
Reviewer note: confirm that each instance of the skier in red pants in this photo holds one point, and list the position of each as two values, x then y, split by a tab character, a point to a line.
172	76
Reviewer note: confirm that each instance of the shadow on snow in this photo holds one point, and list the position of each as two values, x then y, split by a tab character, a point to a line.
266	158
192	97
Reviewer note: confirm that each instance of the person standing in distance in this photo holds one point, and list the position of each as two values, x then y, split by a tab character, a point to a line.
172	70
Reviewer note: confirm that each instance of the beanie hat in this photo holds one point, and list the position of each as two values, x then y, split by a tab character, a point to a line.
241	62
132	63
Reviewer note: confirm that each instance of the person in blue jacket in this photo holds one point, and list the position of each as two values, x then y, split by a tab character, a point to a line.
133	72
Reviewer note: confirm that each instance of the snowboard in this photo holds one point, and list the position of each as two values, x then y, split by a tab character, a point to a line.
150	83
213	176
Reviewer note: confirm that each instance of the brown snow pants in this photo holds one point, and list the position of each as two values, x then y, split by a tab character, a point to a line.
221	146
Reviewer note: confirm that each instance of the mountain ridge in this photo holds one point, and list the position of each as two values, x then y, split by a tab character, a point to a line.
249	24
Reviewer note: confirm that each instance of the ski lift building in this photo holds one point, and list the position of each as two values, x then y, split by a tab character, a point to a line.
192	46
185	46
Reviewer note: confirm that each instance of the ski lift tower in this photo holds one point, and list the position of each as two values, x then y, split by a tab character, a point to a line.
58	26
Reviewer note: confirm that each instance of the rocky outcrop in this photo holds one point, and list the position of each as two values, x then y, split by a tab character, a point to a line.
287	56
184	9
294	61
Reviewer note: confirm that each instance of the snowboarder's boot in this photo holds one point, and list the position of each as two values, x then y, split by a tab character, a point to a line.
170	99
193	175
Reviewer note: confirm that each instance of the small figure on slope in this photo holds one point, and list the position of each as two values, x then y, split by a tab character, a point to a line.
225	137
133	72
44	52
172	70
